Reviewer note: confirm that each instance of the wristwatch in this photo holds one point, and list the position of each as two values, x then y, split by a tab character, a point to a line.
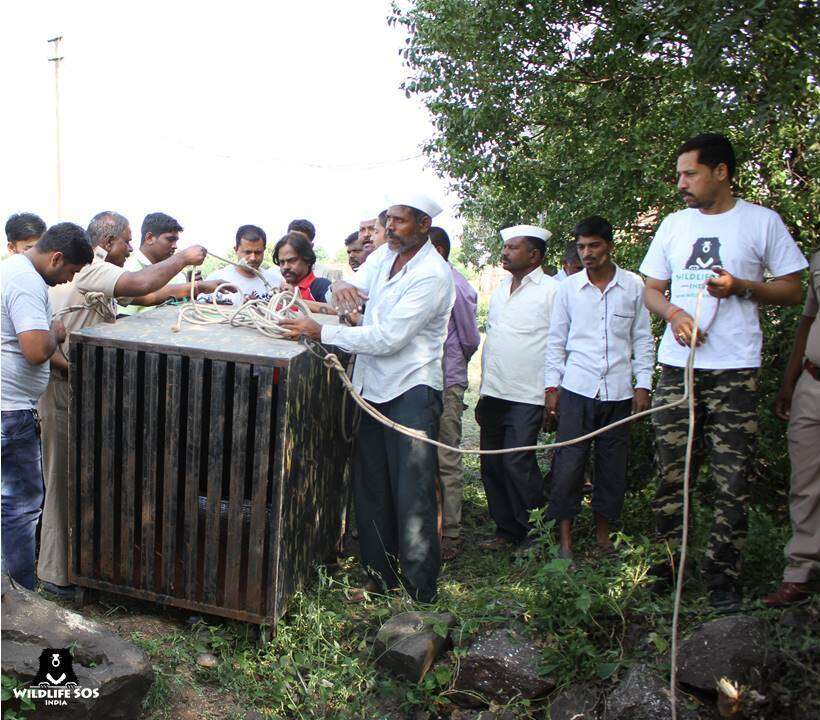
747	294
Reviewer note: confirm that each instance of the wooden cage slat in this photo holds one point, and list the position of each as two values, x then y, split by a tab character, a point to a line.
213	504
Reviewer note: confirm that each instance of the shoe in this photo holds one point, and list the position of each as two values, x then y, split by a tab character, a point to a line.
64	592
495	543
362	594
725	601
451	548
787	594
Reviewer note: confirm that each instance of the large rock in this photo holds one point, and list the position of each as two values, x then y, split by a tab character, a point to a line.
408	644
501	665
732	647
119	671
643	695
574	702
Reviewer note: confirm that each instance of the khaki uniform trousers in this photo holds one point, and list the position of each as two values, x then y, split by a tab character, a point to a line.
52	565
450	467
803	550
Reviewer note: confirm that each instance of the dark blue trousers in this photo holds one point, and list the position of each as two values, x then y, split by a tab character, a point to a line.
22	488
394	491
579	415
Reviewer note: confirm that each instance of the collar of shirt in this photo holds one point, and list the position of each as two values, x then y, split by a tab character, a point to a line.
617	279
304	286
100	253
536	276
139	258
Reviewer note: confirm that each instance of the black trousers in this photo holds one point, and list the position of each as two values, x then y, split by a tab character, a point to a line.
579	415
512	481
394	491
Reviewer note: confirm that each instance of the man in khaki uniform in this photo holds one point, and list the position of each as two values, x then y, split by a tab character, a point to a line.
110	235
799	402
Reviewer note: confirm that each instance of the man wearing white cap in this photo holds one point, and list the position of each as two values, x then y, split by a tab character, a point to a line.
410	293
510	410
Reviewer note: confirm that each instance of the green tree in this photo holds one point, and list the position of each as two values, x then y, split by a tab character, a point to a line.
553	109
550	110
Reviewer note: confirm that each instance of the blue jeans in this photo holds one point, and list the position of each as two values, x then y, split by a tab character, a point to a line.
22	484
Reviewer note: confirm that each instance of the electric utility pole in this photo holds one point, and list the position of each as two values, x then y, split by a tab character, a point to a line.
56	60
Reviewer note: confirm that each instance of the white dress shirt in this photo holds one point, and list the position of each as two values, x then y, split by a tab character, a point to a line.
512	363
598	340
401	340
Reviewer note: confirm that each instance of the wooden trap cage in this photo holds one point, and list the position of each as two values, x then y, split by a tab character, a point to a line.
206	466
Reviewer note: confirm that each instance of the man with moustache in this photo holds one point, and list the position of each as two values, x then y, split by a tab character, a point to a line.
110	236
510	409
399	346
30	336
250	244
295	257
725	244
357	250
599	338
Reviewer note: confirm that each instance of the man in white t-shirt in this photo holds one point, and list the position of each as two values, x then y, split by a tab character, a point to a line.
724	244
250	248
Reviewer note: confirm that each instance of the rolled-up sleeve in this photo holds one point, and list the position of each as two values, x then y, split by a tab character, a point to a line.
390	333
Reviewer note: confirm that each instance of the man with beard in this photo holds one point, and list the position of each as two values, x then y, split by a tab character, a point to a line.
725	244
110	236
159	238
399	349
599	324
295	257
251	241
29	338
510	409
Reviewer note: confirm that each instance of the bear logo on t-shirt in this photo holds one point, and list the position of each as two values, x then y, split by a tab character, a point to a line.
705	254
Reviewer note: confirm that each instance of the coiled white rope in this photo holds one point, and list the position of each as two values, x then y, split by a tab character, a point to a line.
99	302
264	316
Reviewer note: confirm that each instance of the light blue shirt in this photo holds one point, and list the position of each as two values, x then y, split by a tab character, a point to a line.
25	306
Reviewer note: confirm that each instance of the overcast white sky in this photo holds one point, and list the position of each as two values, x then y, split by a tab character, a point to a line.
257	112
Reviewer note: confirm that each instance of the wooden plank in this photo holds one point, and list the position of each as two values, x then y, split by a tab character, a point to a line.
88	421
171	601
239	443
216	437
130	399
282	458
192	455
149	470
107	473
259	516
75	444
170	475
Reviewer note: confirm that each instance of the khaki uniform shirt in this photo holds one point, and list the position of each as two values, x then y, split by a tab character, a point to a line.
810	310
99	276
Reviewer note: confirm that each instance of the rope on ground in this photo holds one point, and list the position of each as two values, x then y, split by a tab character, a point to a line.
333	362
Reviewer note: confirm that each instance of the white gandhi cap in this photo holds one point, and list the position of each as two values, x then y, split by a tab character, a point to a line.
414	200
525	231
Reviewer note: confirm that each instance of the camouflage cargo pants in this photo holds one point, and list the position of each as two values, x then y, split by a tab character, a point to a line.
726	425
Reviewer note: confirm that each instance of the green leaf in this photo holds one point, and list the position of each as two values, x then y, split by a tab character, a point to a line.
606	670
